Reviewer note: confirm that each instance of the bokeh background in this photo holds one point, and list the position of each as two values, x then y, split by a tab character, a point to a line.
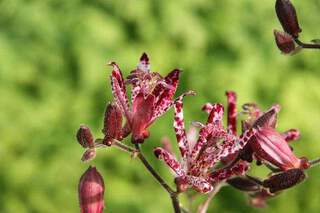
53	77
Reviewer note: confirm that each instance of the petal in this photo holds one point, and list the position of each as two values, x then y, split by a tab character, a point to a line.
164	92
142	110
232	112
291	135
200	184
119	90
179	128
225	173
270	146
216	115
269	118
144	63
207	108
169	159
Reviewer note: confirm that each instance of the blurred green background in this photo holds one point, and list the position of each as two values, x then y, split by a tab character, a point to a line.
53	77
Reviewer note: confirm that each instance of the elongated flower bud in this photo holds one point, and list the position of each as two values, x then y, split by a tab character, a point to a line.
91	191
112	124
288	18
284	42
243	184
84	137
284	180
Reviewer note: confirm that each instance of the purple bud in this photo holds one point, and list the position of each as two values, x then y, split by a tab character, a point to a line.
284	42
284	180
91	191
243	184
288	18
112	124
84	137
89	154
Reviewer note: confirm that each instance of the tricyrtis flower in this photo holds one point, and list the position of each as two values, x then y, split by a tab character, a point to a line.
151	96
199	157
270	146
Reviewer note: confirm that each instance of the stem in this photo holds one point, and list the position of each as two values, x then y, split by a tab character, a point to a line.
307	45
314	162
204	206
124	147
172	193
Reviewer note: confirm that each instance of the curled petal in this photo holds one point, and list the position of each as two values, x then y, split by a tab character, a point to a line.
291	135
200	184
119	90
169	159
232	111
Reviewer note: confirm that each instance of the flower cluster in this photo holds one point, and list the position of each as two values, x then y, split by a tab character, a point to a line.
212	154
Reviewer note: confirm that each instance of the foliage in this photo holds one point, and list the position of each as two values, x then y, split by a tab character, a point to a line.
53	77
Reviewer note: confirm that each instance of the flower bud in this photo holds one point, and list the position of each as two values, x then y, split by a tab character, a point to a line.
112	124
288	18
91	191
284	180
84	137
243	184
89	154
284	42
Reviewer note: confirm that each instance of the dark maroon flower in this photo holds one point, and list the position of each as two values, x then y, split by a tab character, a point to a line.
91	191
288	18
200	156
284	41
151	96
271	146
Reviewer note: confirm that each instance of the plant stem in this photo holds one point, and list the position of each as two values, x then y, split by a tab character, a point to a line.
204	206
306	45
172	193
314	162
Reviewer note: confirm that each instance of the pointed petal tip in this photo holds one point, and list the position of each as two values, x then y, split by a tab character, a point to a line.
144	57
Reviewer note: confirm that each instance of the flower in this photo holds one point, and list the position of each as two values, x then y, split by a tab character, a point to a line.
270	146
199	157
91	191
151	96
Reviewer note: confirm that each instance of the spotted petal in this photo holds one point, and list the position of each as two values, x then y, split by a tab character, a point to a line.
119	90
164	92
169	159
